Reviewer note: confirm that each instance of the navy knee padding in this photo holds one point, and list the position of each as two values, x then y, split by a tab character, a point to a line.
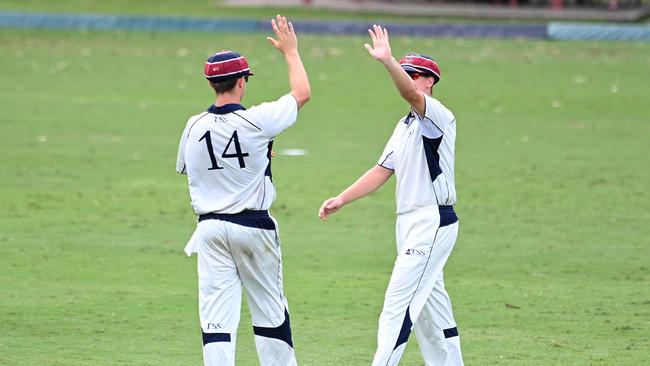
405	332
283	332
215	337
451	332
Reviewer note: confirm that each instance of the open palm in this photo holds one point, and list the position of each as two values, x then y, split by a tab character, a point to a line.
380	49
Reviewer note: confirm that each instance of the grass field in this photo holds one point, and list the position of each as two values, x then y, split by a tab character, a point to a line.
198	8
551	266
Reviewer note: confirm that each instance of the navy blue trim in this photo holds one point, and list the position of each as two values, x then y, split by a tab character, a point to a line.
268	171
248	218
283	332
215	337
433	158
226	108
447	215
194	123
386	158
408	119
251	123
385	167
405	331
451	332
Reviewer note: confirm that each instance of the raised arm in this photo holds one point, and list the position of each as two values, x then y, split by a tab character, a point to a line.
368	183
287	43
380	51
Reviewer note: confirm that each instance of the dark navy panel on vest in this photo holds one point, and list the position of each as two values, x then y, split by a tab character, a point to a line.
405	331
268	172
433	158
226	108
447	215
215	337
408	119
248	218
283	332
451	332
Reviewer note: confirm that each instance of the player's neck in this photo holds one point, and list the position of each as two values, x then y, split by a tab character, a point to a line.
223	99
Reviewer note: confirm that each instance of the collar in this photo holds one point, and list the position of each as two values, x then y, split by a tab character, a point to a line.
226	108
409	117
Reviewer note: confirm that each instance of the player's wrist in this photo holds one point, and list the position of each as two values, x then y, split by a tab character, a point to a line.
340	200
293	52
389	61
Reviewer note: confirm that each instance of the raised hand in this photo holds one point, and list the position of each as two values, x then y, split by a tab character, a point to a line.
286	37
380	49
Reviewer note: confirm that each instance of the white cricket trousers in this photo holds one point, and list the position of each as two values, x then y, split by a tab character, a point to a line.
416	296
232	256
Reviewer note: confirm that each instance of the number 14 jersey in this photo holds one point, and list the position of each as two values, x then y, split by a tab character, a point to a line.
226	155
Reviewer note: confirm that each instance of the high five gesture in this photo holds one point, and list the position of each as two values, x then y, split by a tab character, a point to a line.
286	37
287	43
380	49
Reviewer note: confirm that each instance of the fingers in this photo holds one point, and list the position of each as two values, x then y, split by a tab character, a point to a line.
285	24
378	34
282	24
276	30
278	20
372	35
328	207
321	212
368	47
273	42
378	31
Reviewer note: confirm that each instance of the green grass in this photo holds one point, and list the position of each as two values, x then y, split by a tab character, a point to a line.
203	8
216	8
551	266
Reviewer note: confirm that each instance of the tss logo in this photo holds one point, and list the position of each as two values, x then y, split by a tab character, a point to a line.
214	325
410	251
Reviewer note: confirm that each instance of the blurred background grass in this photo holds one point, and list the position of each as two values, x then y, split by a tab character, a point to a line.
551	263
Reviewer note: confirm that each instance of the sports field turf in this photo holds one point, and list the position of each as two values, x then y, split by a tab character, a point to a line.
195	8
552	262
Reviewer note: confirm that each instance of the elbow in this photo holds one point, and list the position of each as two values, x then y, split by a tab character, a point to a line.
302	96
306	95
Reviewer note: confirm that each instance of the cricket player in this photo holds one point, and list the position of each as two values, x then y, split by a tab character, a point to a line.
421	155
226	154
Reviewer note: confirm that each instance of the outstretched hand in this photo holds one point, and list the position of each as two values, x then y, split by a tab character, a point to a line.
286	37
330	206
380	49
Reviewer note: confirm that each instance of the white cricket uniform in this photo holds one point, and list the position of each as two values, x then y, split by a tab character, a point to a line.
421	152
226	154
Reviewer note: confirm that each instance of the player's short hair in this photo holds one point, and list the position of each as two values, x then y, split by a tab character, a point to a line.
224	86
